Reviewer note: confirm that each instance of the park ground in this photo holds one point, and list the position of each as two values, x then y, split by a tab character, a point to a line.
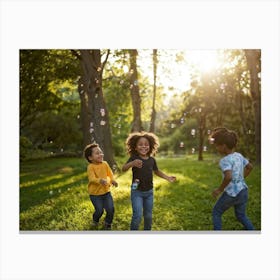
53	196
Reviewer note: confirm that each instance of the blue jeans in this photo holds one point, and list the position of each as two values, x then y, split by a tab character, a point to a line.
239	203
142	202
101	202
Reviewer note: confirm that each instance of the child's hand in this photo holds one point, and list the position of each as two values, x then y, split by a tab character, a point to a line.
216	192
137	163
171	179
115	183
103	182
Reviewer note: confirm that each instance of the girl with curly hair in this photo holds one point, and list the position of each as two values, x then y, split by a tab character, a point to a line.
142	146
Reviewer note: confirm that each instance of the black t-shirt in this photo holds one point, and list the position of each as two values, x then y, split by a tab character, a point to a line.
144	174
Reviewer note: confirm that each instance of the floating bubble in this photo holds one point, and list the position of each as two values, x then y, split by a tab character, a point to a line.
91	130
199	110
182	145
102	122
208	131
131	71
173	125
135	83
182	120
193	132
193	150
205	149
78	116
211	140
102	112
51	192
98	69
131	86
121	82
91	124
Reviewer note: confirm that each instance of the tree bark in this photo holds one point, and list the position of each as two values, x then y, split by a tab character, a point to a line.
153	115
253	58
94	113
135	95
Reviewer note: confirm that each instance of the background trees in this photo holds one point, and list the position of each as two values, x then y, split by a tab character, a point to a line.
69	98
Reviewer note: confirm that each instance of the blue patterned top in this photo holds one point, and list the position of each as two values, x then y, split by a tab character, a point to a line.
236	163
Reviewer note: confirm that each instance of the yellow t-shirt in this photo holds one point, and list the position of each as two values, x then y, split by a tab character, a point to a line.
97	171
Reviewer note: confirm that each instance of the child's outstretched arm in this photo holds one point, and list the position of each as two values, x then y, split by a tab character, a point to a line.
170	179
135	163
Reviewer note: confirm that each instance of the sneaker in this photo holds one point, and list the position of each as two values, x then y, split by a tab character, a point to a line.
94	225
107	226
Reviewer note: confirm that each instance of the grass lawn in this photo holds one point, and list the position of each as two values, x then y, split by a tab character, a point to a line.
53	196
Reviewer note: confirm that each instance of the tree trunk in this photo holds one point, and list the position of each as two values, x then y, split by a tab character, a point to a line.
135	96
253	58
201	130
94	113
153	115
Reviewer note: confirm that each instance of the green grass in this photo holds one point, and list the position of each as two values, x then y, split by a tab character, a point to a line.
53	196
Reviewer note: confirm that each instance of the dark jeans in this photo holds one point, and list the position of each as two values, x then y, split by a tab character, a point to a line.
239	203
101	202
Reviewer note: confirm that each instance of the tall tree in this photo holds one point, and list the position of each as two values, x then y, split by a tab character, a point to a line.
253	58
153	115
134	90
94	113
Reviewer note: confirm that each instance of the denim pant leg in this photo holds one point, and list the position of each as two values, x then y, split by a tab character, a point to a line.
148	202
137	208
224	202
240	210
97	202
109	207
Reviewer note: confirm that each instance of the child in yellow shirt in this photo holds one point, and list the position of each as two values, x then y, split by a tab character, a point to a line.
100	178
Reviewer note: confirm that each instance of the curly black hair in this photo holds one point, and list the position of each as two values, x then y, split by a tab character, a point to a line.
133	138
222	135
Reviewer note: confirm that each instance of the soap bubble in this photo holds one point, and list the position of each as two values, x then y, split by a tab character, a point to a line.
102	112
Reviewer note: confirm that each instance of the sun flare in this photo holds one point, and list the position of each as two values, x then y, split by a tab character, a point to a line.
203	60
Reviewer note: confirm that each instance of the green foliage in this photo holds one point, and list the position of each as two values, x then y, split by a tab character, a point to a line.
53	196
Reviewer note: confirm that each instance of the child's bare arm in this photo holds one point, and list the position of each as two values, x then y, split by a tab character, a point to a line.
225	182
135	163
247	170
170	179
